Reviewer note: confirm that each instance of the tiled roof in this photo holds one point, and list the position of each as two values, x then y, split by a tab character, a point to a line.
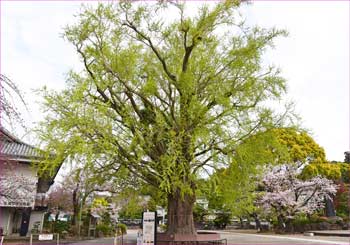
14	148
18	150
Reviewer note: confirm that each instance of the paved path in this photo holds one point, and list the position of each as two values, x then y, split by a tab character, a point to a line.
235	238
130	238
345	233
238	238
243	238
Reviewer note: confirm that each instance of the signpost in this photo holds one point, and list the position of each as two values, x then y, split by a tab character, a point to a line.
45	237
149	228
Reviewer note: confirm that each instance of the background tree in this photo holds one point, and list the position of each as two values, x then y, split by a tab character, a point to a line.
278	146
347	157
238	193
342	201
199	214
16	187
99	205
132	204
301	148
78	186
60	199
339	172
103	208
286	195
163	100
10	98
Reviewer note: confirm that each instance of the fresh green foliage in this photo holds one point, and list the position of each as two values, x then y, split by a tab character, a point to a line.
105	229
163	101
272	147
199	213
121	229
106	219
237	192
132	204
333	171
157	197
301	147
61	226
99	202
222	220
208	96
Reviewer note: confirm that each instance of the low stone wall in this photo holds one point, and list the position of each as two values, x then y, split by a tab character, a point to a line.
200	238
318	226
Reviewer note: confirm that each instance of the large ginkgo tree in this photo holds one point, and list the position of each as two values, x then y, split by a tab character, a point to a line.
165	95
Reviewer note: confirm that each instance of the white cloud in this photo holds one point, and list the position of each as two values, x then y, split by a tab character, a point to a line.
33	53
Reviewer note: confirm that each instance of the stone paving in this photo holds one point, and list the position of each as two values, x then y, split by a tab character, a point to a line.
234	237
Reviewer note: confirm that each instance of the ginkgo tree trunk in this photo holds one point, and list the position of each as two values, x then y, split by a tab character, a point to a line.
165	94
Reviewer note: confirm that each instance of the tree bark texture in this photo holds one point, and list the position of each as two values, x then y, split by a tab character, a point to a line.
180	214
75	207
329	208
241	222
257	221
281	224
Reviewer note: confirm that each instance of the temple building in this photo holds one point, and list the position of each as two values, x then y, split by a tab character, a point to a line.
22	191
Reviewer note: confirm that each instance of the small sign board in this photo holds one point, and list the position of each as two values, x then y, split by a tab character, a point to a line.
45	237
149	228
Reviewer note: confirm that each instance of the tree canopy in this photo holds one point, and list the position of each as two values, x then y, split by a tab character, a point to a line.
334	171
301	147
279	146
286	195
163	100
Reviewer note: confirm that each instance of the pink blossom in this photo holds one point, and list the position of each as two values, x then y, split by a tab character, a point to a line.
287	195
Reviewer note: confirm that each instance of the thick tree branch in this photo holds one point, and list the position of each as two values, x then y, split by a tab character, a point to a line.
151	45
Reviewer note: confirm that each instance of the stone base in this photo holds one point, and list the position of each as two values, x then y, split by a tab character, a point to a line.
163	238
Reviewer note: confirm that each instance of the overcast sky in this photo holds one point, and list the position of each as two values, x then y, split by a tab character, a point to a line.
314	58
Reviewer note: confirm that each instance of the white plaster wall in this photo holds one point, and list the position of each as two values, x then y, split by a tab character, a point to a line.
35	216
24	169
5	214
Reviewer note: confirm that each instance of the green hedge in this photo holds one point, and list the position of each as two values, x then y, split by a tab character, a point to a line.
121	229
61	226
104	229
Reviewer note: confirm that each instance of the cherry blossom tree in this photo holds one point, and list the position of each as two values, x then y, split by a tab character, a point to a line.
81	183
16	188
60	199
79	186
10	98
286	195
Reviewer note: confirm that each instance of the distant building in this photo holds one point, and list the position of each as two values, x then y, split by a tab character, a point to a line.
22	192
